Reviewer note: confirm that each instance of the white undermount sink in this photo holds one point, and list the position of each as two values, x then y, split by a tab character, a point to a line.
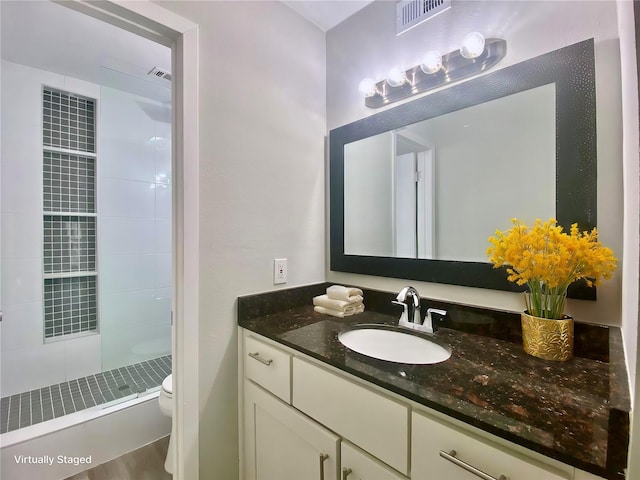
394	344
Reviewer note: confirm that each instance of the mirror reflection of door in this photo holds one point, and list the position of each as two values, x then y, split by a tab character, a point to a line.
413	198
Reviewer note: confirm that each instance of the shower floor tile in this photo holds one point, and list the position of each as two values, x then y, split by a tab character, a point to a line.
28	408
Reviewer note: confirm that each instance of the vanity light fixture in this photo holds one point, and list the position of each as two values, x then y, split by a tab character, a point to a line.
397	77
476	55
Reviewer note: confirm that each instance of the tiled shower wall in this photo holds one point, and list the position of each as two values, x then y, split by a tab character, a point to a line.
135	228
133	231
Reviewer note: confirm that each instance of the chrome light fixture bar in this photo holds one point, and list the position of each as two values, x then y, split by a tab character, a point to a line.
435	72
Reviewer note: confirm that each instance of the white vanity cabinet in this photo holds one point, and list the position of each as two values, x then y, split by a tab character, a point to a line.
441	451
358	465
306	421
283	444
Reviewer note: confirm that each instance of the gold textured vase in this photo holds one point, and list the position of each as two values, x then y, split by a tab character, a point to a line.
548	339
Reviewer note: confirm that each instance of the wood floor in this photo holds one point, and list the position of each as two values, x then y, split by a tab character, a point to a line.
146	463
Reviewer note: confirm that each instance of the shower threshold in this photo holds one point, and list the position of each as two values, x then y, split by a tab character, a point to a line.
106	388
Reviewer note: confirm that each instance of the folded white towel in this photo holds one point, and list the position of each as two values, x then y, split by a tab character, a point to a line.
338	305
328	311
340	292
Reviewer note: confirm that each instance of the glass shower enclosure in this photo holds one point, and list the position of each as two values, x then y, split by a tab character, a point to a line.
85	241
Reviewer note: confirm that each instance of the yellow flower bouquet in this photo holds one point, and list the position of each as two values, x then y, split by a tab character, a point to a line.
548	260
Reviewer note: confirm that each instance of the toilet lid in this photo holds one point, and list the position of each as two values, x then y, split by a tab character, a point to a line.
167	384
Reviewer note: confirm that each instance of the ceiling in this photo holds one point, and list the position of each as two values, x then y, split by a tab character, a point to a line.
326	14
92	50
71	43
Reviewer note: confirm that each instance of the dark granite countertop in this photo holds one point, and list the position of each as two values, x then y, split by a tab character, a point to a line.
576	411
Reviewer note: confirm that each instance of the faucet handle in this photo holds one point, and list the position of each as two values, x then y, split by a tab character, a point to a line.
404	317
428	324
436	310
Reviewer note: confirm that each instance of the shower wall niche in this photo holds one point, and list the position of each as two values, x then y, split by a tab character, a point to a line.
69	214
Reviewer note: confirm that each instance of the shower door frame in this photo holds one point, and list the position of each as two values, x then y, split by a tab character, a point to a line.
155	23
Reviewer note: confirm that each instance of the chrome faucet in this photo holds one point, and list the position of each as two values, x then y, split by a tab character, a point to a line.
410	311
410	317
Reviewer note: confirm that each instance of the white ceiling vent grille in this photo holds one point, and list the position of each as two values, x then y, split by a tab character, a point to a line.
410	13
158	72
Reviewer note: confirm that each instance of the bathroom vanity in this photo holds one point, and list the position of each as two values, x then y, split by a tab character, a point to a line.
310	408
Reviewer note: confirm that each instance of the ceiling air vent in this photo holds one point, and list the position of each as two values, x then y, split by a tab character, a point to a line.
410	13
158	72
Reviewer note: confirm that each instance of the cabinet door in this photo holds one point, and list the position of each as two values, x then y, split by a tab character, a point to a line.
358	465
376	423
282	444
440	451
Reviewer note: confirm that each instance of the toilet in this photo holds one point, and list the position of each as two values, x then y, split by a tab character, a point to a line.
166	406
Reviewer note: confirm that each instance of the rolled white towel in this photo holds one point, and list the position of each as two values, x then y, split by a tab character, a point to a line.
328	311
340	292
338	305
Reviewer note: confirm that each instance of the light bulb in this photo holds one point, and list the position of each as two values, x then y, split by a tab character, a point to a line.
432	62
472	45
367	87
397	77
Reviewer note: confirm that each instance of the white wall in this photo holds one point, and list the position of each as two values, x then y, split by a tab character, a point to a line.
134	228
631	141
631	158
368	174
365	45
27	362
262	117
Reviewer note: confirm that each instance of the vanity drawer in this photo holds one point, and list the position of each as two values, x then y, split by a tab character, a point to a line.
269	367
374	422
431	437
361	466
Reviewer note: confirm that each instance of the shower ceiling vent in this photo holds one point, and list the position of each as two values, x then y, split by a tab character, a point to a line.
411	13
158	72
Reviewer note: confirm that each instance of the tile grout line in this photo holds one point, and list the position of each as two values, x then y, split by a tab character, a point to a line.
90	392
64	410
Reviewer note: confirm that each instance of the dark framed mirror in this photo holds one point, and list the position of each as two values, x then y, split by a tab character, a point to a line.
525	138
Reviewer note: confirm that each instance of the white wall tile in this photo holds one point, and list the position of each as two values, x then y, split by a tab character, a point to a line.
135	345
164	292
163	202
125	310
122	235
123	273
122	117
21	175
22	326
21	235
82	356
82	87
130	161
127	198
162	310
163	270
162	235
21	281
21	96
32	367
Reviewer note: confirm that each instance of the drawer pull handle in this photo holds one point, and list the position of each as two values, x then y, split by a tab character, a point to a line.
323	457
451	456
346	472
257	356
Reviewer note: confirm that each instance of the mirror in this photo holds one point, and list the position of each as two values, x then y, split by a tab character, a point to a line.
417	189
409	192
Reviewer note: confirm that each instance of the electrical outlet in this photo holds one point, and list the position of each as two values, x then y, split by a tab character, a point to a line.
279	271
